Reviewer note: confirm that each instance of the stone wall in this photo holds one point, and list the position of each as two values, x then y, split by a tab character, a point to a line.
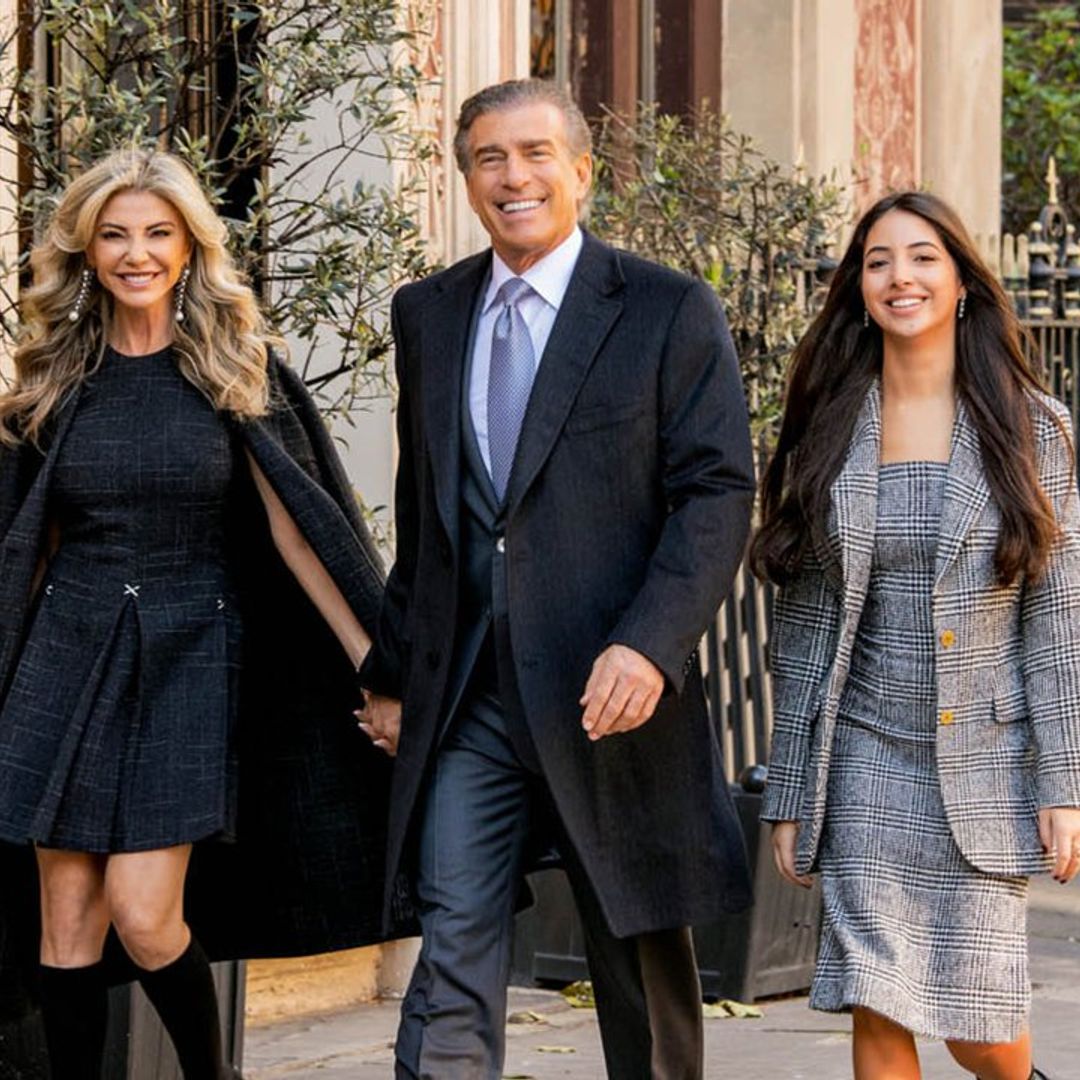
888	93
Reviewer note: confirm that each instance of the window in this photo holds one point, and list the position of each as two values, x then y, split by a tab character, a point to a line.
615	53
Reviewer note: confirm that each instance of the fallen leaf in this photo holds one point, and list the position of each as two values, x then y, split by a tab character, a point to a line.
726	1009
526	1016
580	994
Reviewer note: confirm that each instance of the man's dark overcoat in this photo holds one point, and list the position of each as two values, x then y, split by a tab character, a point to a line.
625	520
305	874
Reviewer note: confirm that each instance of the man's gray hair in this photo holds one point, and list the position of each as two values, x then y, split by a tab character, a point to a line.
509	95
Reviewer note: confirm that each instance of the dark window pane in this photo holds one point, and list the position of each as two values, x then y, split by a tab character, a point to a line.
590	54
673	56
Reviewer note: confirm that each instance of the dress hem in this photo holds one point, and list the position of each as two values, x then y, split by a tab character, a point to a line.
217	833
984	1034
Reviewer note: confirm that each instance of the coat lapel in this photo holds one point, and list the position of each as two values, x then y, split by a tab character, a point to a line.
854	497
27	521
966	491
589	309
20	546
443	341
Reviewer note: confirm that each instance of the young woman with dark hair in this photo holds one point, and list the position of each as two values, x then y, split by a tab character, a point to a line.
920	519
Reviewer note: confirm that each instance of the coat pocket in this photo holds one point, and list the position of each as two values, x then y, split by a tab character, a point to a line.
595	417
1010	698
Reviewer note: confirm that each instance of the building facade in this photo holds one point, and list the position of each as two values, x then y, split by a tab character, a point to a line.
883	93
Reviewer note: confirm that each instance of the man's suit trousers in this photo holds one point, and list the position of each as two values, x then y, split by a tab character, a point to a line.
476	823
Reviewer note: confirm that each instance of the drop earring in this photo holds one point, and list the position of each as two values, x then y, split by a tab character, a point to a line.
960	309
84	288
865	318
181	292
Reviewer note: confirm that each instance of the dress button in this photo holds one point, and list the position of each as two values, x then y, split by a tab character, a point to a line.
500	545
948	639
947	716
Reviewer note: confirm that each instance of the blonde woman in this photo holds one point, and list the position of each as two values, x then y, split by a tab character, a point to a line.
165	486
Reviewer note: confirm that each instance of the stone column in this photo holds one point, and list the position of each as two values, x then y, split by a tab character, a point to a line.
961	108
760	71
827	38
484	41
789	78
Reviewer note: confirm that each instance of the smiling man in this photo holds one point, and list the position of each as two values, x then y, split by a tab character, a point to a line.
573	495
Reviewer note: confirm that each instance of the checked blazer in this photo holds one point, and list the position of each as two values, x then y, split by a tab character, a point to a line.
1007	657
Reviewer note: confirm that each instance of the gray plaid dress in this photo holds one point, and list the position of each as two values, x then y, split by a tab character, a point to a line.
116	730
912	930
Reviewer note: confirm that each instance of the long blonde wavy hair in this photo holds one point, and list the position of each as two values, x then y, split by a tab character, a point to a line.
221	345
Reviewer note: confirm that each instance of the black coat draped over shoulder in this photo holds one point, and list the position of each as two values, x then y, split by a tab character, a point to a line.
306	873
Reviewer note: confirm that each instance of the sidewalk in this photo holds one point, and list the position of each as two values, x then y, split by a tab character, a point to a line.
790	1043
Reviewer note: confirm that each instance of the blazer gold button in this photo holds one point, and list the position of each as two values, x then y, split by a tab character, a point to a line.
948	639
947	716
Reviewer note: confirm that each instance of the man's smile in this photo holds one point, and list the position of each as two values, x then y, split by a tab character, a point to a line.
520	205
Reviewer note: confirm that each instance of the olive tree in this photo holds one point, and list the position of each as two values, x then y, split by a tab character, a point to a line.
697	195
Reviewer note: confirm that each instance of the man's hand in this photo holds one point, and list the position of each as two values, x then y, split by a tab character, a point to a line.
380	721
1059	831
785	835
621	693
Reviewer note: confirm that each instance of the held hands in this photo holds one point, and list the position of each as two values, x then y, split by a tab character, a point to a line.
785	835
380	720
1059	831
621	693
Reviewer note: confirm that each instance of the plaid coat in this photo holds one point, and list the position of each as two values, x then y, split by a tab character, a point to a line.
1008	658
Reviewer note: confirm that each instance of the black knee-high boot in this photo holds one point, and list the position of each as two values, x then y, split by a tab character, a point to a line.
184	995
74	1006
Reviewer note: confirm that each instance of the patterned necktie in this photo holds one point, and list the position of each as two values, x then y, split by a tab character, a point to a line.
513	365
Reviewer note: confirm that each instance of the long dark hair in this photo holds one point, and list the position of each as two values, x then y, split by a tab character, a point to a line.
832	369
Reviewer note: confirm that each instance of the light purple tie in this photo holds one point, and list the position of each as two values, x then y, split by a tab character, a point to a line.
513	366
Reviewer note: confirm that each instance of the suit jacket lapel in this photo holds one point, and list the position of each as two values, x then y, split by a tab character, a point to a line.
444	338
966	491
585	318
854	498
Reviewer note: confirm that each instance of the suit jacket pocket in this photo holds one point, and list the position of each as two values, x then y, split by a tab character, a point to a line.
1010	698
595	417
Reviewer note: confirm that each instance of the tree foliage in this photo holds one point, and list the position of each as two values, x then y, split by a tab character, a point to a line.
290	111
1041	102
702	198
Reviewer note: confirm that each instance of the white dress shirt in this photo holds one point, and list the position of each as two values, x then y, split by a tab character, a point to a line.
549	279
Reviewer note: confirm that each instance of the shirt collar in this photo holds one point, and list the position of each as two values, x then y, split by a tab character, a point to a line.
549	278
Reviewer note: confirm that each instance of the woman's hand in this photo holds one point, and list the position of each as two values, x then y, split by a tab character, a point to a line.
380	721
785	835
1059	831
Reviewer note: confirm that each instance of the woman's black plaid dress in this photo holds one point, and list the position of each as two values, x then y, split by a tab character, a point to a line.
116	731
